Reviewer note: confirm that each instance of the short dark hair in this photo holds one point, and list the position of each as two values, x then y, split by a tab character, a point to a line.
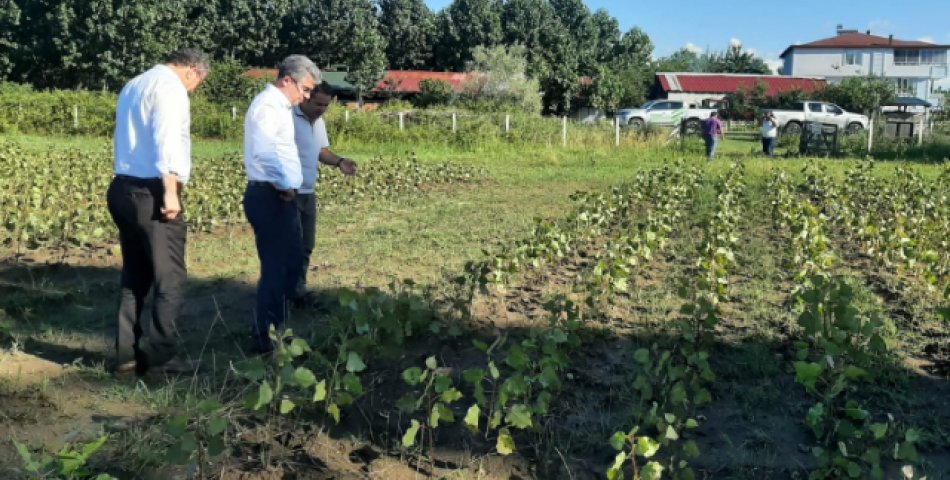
190	57
714	114
323	87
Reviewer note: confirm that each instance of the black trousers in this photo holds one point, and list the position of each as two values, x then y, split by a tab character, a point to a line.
153	258
307	212
277	235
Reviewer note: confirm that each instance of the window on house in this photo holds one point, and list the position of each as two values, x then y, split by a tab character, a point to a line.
933	57
853	57
904	86
906	56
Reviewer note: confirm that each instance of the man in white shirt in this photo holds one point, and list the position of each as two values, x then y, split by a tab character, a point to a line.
152	165
313	147
769	134
274	175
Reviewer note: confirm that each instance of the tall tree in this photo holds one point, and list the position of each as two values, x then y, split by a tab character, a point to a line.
574	15
634	50
247	30
9	47
608	35
737	60
552	57
409	28
464	25
683	60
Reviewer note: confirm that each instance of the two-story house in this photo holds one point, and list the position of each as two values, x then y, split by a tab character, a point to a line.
915	67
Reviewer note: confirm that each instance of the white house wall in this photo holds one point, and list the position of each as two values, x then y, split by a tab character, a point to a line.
830	62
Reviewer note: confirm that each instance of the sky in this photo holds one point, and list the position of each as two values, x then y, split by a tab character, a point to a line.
770	27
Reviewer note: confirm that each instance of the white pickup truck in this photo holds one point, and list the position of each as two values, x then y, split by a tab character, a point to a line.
790	121
664	112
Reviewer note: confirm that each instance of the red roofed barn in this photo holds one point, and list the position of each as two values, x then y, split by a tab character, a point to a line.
702	89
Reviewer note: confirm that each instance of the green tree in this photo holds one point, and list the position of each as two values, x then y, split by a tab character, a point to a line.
499	81
683	60
9	25
434	92
860	94
737	60
607	91
409	28
464	25
576	17
552	57
249	31
608	36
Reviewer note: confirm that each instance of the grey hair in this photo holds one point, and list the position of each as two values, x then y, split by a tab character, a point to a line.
190	57
299	67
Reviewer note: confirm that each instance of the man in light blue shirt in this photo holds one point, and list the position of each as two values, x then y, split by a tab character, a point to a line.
152	165
274	175
313	146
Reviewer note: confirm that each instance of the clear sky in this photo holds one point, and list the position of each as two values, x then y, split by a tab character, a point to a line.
769	27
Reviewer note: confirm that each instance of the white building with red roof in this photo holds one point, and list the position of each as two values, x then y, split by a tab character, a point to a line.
915	67
705	89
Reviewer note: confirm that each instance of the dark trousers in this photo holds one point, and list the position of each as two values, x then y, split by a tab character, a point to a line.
768	145
307	212
276	227
153	258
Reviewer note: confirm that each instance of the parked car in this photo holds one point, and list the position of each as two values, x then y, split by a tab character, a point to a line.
791	121
664	112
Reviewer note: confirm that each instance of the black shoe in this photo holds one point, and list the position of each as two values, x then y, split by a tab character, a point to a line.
307	300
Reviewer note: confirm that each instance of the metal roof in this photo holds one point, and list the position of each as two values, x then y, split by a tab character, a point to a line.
909	102
724	83
398	81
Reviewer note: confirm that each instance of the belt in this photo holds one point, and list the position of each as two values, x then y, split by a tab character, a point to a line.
139	180
259	183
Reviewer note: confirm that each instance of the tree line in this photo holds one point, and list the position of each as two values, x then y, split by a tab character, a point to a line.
99	44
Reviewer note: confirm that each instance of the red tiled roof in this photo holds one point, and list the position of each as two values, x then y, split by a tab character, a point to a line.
726	83
863	40
407	81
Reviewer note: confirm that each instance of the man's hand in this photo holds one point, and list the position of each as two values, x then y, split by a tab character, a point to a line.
347	166
288	195
171	206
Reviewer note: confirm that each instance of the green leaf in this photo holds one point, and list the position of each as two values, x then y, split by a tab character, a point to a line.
304	378
807	373
519	416
217	425
618	440
254	370
189	443
517	359
409	438
451	395
298	347
352	384
493	370
334	411
473	375
651	471
879	430
412	375
209	406
642	356
320	391
616	471
912	435
354	363
471	417
647	447
431	363
671	433
692	423
286	405
264	395
691	450
216	446
854	470
177	426
505	444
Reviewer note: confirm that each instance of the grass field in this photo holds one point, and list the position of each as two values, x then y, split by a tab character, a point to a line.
714	320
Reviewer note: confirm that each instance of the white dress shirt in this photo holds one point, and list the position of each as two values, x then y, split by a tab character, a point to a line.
311	138
270	154
153	126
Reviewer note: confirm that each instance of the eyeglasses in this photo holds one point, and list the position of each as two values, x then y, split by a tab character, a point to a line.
304	90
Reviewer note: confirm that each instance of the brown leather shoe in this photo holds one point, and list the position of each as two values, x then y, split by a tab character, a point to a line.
124	368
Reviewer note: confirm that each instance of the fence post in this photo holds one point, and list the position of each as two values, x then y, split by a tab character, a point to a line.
507	123
920	133
870	134
75	116
616	131
564	131
233	112
346	116
454	124
400	121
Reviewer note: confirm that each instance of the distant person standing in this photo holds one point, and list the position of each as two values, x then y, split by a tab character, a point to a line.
769	134
712	133
313	147
152	165
274	176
